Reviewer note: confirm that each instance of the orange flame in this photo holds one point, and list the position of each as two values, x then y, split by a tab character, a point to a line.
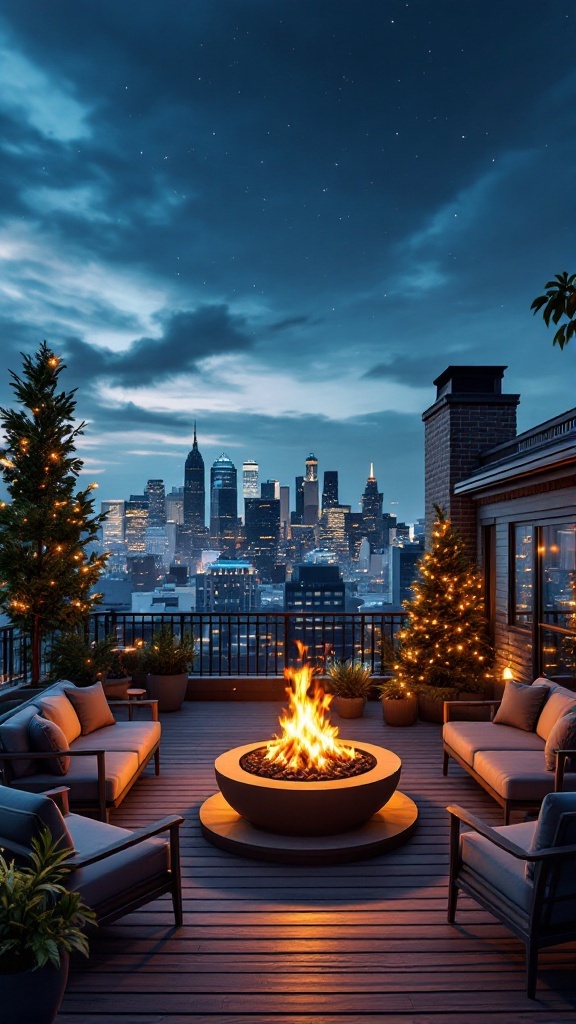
308	741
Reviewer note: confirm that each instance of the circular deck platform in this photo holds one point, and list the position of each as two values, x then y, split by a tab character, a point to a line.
390	827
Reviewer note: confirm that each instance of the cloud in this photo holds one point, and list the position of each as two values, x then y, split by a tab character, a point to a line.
47	105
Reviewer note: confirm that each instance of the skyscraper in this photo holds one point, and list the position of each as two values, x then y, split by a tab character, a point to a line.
156	495
371	504
194	497
135	523
250	479
330	489
224	505
113	525
262	516
310	492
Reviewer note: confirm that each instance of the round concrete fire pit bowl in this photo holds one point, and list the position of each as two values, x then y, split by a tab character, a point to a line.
307	808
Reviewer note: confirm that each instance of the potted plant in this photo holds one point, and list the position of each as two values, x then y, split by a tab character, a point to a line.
167	661
72	656
118	679
399	704
41	923
350	681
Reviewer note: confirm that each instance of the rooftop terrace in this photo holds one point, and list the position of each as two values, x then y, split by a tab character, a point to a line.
352	943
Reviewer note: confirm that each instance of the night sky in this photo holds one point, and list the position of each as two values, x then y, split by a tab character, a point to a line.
283	219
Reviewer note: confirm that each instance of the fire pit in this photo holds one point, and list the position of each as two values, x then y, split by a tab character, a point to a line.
306	794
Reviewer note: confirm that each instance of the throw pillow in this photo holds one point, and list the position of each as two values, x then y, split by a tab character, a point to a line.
562	736
91	706
46	736
559	703
14	739
520	705
58	709
553	805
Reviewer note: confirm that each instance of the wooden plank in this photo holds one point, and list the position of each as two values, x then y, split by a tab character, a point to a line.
344	944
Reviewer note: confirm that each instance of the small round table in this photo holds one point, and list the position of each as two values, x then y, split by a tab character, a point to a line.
134	693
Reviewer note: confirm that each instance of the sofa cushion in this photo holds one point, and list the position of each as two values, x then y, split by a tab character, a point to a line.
15	740
82	778
521	705
467	738
499	869
544	836
559	702
139	737
91	706
562	737
45	736
57	708
24	815
518	775
117	874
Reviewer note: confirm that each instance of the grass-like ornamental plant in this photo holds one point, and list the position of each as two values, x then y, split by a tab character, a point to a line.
168	654
40	919
349	678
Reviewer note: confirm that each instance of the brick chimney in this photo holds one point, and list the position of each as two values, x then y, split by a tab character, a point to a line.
470	416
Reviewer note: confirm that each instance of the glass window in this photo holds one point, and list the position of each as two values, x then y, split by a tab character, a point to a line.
557	552
522	610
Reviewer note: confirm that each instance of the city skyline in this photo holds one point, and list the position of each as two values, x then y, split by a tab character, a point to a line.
283	221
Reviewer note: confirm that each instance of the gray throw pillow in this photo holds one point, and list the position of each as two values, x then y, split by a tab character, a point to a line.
521	705
91	706
44	737
562	736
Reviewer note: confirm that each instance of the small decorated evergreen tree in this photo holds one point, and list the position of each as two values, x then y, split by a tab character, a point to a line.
445	647
45	572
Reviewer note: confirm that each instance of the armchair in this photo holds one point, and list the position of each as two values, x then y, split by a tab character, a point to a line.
116	870
523	874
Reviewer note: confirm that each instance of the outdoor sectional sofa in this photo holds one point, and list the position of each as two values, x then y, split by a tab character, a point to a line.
524	751
69	735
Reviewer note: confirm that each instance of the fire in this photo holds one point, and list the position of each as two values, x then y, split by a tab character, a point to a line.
308	741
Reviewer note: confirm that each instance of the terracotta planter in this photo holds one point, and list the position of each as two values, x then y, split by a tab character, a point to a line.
33	997
169	691
117	689
349	707
400	712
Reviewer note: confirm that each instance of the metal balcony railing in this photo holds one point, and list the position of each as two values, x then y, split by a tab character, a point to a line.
235	643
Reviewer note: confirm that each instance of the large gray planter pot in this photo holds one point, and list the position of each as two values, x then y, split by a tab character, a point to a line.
33	997
169	691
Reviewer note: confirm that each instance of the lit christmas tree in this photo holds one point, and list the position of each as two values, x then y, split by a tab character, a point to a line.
445	647
45	572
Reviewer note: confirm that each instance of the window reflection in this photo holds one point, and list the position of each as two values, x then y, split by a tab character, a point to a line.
523	581
558	588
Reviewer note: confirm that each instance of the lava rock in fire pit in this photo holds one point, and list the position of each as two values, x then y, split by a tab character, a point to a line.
256	763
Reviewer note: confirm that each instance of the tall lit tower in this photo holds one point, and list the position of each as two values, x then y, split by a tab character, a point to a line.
156	495
194	495
250	479
330	489
310	492
224	505
371	503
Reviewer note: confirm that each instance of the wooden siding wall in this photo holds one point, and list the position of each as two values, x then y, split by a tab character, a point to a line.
541	508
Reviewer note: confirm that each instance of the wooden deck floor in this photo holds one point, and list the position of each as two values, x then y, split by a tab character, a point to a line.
351	943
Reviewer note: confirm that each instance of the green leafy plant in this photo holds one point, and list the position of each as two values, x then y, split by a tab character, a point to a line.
394	689
445	646
168	654
40	919
559	300
349	678
47	568
72	657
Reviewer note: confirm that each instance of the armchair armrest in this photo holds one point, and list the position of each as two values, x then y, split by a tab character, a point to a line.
131	704
60	797
561	757
463	704
460	814
169	824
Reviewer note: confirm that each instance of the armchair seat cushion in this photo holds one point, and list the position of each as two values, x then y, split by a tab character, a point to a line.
500	870
82	777
467	738
518	774
115	875
138	737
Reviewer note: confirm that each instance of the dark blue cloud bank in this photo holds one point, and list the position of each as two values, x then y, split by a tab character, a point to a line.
283	220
